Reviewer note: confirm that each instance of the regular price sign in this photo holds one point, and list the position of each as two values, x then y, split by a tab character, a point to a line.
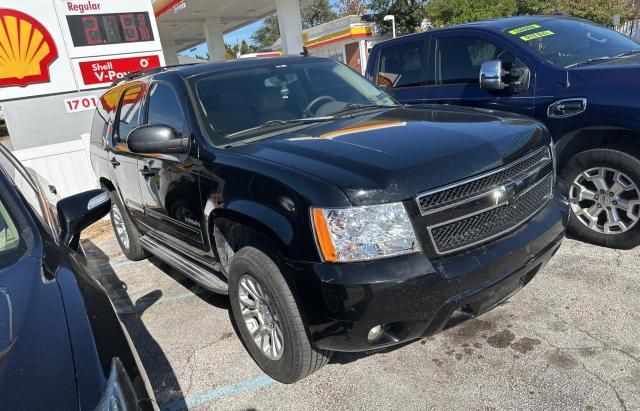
109	38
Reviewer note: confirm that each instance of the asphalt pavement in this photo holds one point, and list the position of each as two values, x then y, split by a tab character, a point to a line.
569	340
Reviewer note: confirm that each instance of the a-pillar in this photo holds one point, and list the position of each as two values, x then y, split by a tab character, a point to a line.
170	51
213	32
290	24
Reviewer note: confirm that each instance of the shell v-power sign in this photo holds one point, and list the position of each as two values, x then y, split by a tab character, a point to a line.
61	46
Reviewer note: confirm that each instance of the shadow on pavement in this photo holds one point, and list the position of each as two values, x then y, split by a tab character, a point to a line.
161	375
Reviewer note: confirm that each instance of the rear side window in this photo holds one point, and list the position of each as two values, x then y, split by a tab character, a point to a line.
402	65
165	108
130	109
458	59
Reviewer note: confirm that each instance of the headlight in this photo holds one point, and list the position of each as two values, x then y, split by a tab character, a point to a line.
363	233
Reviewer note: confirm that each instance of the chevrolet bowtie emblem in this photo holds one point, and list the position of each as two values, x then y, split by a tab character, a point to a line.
508	192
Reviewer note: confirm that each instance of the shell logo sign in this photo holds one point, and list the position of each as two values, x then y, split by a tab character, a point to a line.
26	50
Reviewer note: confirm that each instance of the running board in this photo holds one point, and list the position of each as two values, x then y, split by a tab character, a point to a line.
205	277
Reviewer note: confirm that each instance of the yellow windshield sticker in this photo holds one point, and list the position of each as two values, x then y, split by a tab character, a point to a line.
537	35
522	29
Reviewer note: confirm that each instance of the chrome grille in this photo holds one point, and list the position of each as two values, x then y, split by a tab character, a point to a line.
435	200
483	226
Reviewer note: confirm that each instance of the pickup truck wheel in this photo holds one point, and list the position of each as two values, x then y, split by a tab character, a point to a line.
126	233
604	195
268	318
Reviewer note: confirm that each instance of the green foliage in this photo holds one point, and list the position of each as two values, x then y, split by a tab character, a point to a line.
267	34
446	12
316	12
408	14
600	11
352	7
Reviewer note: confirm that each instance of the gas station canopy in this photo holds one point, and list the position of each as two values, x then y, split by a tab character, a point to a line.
185	23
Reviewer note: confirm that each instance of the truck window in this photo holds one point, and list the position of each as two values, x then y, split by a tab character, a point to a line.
458	59
571	42
129	117
165	108
401	65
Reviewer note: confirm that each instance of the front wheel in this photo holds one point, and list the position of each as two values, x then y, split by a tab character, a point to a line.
268	318
604	194
126	233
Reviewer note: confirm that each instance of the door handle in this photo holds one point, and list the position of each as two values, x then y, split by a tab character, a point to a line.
115	163
146	171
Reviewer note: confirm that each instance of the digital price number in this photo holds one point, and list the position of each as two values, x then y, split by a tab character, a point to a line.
112	28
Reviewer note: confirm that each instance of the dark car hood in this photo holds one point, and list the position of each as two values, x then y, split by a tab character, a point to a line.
36	365
623	68
391	155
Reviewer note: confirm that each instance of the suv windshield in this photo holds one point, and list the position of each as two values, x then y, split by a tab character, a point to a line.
245	103
569	43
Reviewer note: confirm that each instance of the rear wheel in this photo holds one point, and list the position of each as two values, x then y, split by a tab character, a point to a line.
126	233
604	194
268	318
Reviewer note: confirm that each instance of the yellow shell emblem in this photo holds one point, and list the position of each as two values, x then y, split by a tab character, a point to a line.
26	49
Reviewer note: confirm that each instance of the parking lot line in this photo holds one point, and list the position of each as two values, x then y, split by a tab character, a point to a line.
192	401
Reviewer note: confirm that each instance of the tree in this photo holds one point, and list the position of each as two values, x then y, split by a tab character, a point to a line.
408	13
267	34
446	12
352	7
316	12
600	11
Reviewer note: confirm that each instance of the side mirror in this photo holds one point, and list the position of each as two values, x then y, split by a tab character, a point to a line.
153	138
79	211
492	76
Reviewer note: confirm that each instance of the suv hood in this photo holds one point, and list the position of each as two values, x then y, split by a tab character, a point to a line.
394	154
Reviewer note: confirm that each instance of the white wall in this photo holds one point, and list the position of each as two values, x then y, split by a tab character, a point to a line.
64	165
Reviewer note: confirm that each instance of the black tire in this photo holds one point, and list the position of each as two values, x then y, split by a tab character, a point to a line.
299	358
134	250
612	159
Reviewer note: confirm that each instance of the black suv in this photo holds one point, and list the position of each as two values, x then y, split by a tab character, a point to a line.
335	218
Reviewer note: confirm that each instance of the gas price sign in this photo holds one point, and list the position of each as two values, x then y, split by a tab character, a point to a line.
112	28
83	45
107	39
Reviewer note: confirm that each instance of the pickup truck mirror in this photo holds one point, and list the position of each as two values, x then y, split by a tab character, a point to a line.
492	76
156	138
78	212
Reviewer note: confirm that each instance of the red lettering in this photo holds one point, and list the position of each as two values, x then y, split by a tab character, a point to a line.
91	30
129	27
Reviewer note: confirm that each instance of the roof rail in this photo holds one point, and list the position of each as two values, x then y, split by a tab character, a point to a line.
147	72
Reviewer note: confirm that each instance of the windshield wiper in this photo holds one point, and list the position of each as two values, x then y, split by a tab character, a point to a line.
272	123
358	106
627	53
590	61
297	120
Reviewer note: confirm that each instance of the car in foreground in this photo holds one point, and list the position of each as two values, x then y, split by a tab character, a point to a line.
580	79
62	346
335	218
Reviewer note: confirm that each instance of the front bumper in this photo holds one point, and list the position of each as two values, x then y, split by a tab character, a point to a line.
413	297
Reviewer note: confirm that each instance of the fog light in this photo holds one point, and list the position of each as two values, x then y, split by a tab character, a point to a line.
375	332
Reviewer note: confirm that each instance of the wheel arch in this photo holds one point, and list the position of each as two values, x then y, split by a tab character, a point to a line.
246	223
611	137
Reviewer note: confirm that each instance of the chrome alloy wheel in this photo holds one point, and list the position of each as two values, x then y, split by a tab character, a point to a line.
605	200
120	226
260	317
